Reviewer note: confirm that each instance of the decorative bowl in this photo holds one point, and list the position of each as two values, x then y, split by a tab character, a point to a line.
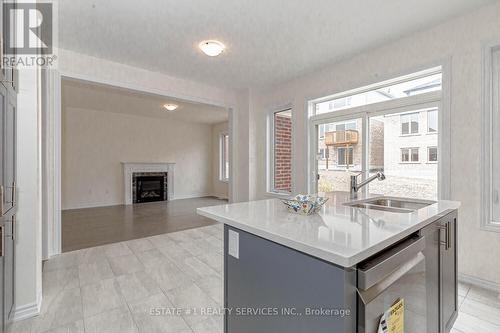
304	204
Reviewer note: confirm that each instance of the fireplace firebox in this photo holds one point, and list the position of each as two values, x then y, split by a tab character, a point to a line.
149	187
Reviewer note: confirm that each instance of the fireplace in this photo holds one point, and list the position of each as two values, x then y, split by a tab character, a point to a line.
149	187
133	170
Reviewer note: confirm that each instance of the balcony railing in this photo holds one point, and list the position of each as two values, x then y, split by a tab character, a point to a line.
341	138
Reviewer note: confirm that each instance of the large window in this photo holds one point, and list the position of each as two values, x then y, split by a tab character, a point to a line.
224	157
280	168
396	138
490	160
409	123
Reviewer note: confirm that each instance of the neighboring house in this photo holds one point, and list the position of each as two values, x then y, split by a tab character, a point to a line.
349	155
402	145
411	142
340	157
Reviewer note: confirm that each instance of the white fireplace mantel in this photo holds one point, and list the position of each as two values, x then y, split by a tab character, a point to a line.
129	168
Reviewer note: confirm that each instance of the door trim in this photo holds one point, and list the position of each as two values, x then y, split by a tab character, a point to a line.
52	243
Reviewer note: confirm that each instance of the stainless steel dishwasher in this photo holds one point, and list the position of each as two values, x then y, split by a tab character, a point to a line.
394	275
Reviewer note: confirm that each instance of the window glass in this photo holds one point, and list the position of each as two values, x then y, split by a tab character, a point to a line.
409	123
321	131
282	149
340	148
433	154
432	121
409	155
386	92
493	176
414	155
399	158
224	157
405	155
345	156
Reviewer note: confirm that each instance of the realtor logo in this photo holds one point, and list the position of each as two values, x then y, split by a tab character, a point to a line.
29	34
34	28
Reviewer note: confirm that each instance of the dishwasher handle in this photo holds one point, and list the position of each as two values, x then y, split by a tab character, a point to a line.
375	270
368	295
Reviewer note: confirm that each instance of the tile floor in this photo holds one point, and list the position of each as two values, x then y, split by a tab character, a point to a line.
112	288
479	310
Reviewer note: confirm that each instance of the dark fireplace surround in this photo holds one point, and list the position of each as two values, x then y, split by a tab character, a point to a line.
149	187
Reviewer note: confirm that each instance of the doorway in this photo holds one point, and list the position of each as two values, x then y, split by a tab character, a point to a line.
53	156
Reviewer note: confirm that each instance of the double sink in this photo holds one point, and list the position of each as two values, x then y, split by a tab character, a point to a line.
391	204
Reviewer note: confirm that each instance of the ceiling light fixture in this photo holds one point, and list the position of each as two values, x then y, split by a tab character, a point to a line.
212	48
170	107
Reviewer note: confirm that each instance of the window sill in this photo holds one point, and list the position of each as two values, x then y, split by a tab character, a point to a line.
405	135
281	195
432	162
431	133
410	162
493	227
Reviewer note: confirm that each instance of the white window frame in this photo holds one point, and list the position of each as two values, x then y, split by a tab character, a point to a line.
383	84
491	102
350	155
409	124
436	99
410	154
428	154
270	190
428	112
222	155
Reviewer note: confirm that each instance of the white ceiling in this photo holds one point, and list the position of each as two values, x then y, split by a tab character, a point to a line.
79	94
268	41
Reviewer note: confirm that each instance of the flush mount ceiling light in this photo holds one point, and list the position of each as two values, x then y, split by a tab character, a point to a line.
170	107
212	48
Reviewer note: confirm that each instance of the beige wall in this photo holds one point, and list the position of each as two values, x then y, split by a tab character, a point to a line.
219	189
459	43
94	143
78	65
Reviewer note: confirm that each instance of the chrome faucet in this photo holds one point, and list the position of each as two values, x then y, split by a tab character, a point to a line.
355	186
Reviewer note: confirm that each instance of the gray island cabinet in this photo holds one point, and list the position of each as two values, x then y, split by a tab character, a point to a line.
346	269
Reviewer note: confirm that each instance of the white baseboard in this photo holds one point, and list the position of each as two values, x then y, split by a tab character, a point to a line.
191	196
218	196
27	311
478	282
223	197
83	206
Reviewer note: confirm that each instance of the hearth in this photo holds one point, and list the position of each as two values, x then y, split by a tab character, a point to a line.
149	187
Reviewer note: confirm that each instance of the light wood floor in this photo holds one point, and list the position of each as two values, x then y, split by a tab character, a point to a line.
84	228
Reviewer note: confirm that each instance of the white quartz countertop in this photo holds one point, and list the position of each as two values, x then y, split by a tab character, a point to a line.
338	234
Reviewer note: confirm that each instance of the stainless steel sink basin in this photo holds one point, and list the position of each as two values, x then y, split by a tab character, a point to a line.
390	204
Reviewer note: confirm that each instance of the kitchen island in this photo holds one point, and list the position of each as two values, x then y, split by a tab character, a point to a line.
344	269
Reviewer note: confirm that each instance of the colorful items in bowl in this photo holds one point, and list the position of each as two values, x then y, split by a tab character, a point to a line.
304	204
